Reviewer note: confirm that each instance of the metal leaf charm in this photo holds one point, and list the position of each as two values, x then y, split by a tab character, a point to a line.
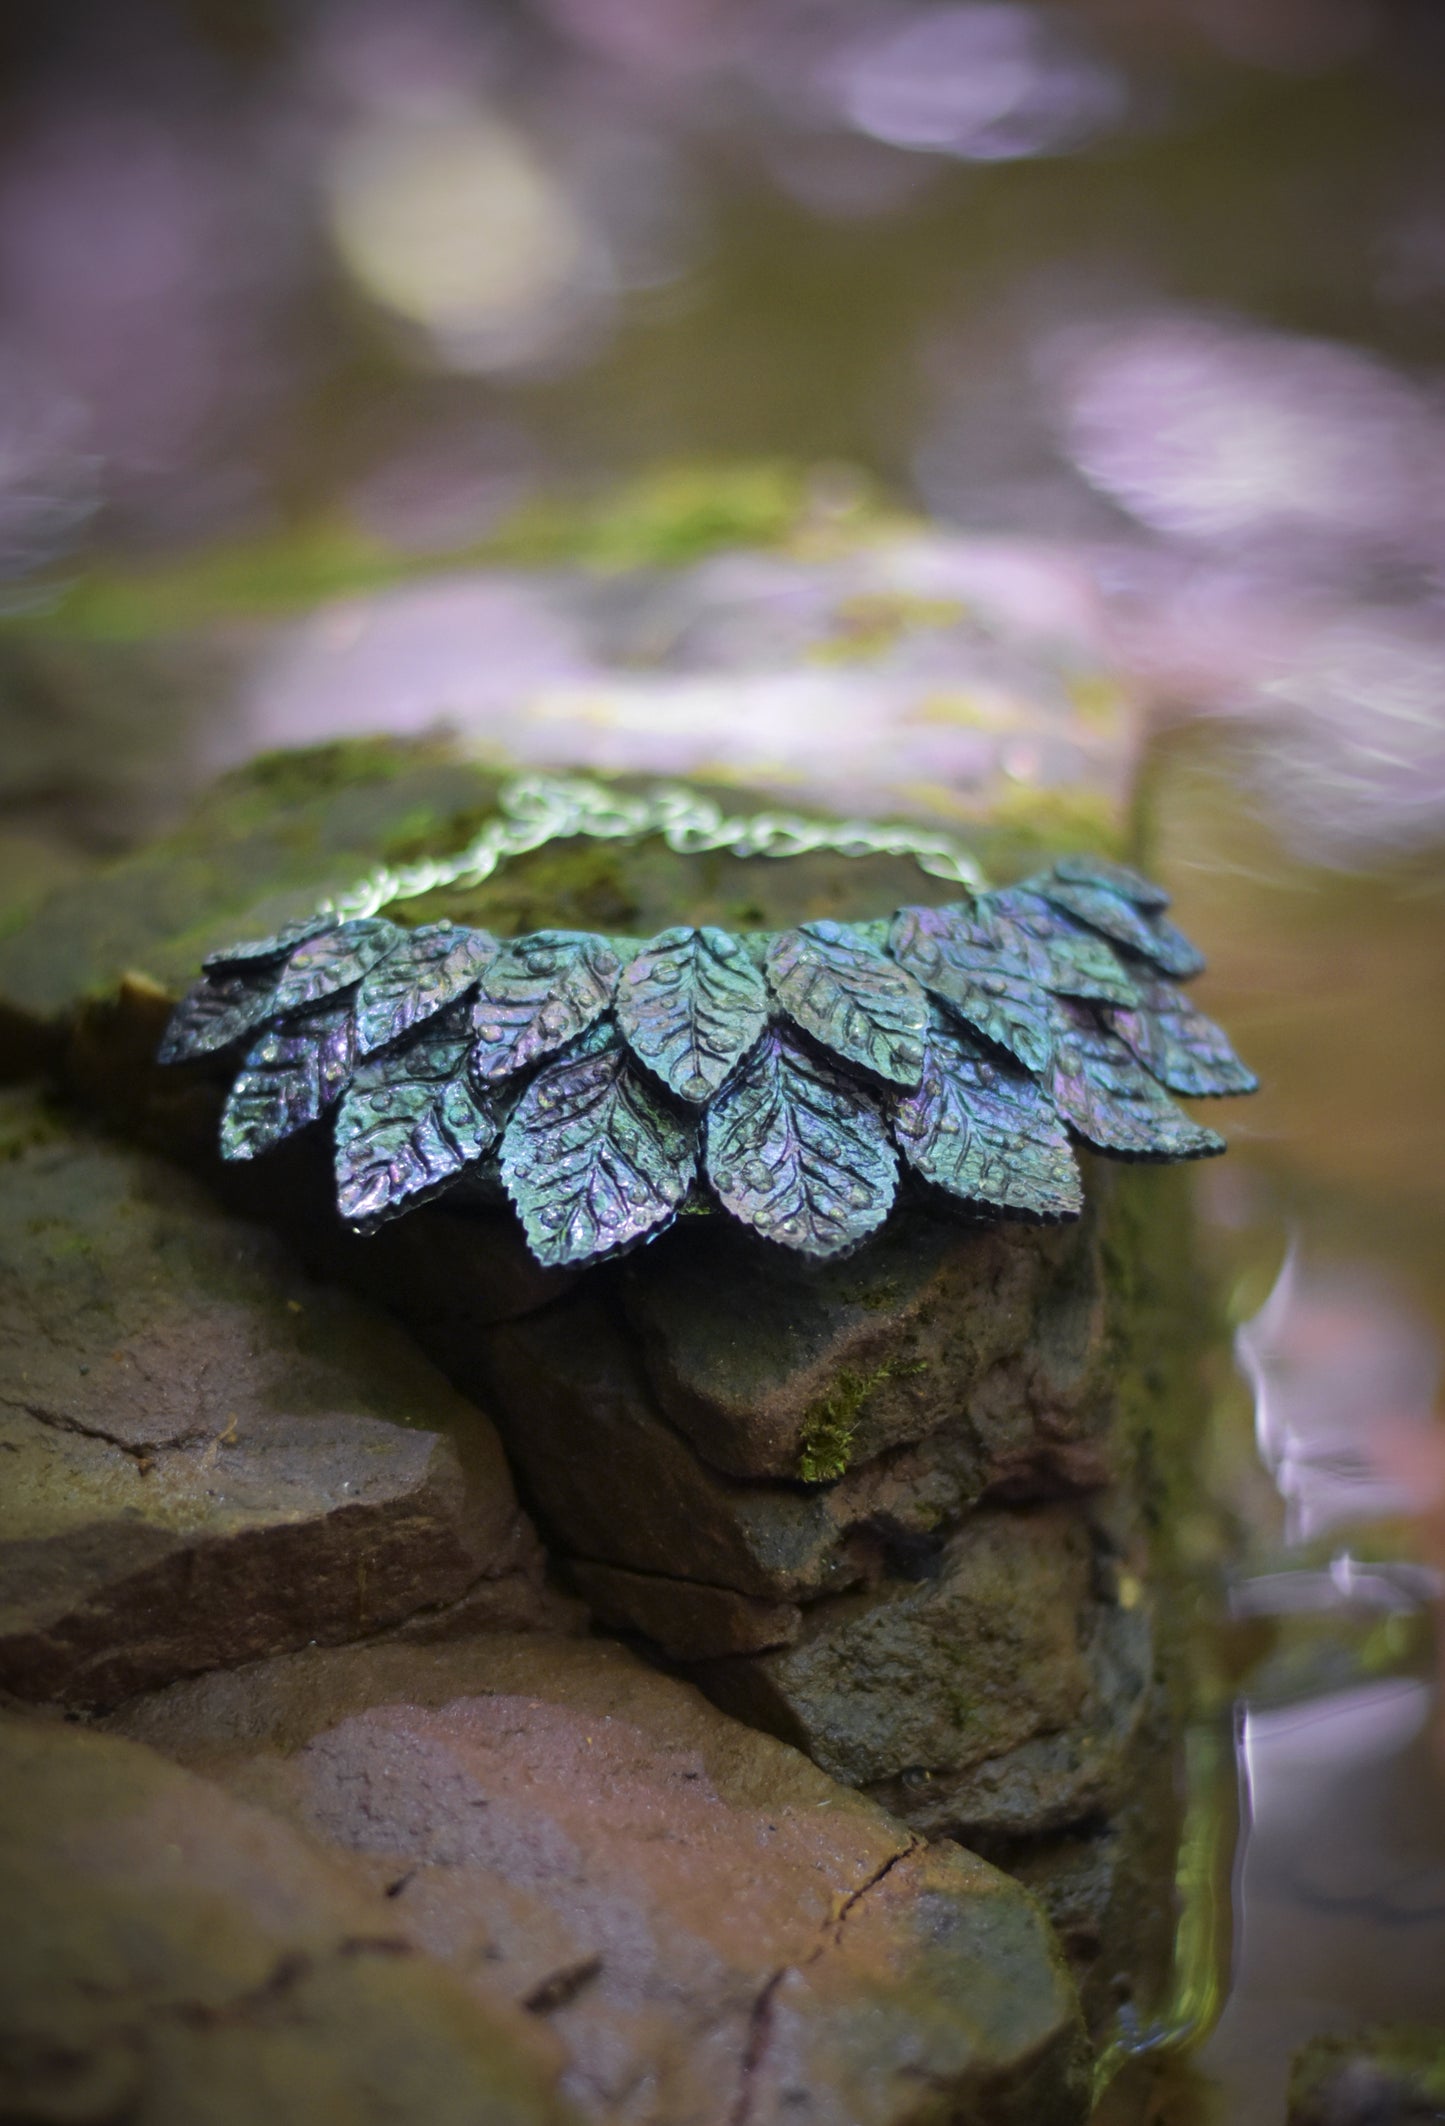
291	1077
983	1130
592	1157
422	974
566	1071
798	1152
690	1006
1098	1087
982	976
258	951
335	960
409	1122
216	1013
1122	879
538	994
837	988
1152	936
1183	1049
1065	957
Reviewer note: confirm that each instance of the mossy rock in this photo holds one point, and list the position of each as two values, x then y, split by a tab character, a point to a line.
768	1470
267	842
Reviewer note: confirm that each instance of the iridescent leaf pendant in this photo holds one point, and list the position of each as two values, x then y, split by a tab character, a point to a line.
984	977
410	1121
539	993
837	987
291	1076
690	1007
592	1158
981	1129
798	1152
776	1079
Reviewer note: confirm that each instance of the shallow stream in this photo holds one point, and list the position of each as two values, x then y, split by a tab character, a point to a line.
1157	288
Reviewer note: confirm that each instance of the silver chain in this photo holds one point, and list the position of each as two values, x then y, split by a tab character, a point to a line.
537	809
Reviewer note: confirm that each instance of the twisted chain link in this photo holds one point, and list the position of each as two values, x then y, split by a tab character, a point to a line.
537	809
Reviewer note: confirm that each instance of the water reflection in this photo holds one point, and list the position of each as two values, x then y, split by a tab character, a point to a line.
1291	35
236	255
436	484
1355	751
1339	1574
1340	1889
48	478
355	56
930	674
1341	1370
1298	580
144	260
456	223
987	82
1213	429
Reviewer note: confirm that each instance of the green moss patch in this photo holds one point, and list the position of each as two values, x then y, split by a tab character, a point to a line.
831	1423
663	517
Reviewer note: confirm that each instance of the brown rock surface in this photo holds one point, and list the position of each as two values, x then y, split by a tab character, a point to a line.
962	1622
617	1484
172	1956
808	1363
843	2036
965	1621
623	1481
1079	1770
989	1651
207	1455
686	1618
711	1928
897	1508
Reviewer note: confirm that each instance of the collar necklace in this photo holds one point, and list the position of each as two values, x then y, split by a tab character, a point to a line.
788	1077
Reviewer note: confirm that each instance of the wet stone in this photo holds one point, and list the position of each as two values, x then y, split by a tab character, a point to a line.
985	1652
961	1622
260	849
703	1924
172	1953
617	1485
1102	1878
208	1455
449	1273
824	2029
1077	1773
894	1507
856	1357
686	1618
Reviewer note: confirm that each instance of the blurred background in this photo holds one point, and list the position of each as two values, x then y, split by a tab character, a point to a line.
335	334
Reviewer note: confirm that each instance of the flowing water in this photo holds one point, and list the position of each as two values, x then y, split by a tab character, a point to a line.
1327	1222
293	298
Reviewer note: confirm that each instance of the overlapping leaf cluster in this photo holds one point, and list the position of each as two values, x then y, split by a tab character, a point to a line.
606	1082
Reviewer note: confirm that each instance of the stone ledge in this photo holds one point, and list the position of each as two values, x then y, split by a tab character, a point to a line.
172	1953
710	1928
207	1454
